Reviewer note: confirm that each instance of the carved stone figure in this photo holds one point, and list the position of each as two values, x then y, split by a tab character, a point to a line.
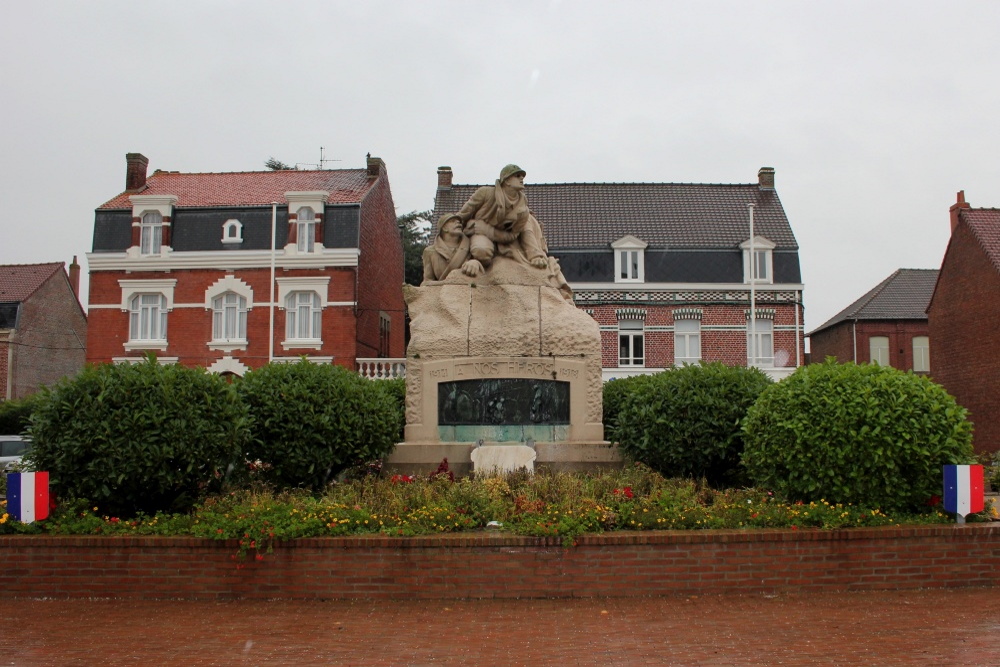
449	251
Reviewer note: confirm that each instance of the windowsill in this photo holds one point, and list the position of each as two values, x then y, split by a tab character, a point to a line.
302	343
632	281
132	345
163	361
227	345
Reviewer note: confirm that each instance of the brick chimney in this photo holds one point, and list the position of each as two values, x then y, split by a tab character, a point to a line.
765	178
74	277
444	178
956	207
375	166
135	174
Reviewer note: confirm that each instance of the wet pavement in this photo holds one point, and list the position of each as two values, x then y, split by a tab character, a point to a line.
928	627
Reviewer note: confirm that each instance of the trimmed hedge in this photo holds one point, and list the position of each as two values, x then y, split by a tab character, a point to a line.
686	421
15	414
138	438
312	421
863	434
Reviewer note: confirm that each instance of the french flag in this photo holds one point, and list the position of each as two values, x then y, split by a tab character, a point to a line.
963	489
28	496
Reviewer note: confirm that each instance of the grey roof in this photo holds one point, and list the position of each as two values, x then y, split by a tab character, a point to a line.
664	215
902	296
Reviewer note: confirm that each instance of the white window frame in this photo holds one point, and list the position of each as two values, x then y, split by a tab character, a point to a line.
760	345
631	332
303	319
305	230
630	260
229	318
147	314
143	204
131	289
764	260
151	233
921	354
687	341
228	284
232	231
877	352
315	200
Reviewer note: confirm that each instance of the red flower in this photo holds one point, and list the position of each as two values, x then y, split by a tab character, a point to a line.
933	500
260	556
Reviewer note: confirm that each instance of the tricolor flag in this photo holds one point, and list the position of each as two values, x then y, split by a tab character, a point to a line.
28	496
963	489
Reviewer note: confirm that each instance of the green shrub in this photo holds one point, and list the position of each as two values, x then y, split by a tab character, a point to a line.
14	414
686	421
396	389
855	434
311	421
616	391
142	437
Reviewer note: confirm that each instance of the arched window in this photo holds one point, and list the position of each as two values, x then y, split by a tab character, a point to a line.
229	317
151	233
148	318
303	316
306	232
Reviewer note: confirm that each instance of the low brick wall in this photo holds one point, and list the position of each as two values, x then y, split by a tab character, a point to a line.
486	565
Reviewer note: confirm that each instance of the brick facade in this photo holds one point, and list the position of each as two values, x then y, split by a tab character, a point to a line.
964	320
839	341
502	566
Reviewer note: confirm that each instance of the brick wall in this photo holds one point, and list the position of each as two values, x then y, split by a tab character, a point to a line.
964	318
488	565
50	338
839	340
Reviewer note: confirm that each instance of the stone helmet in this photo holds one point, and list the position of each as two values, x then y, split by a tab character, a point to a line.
445	218
510	170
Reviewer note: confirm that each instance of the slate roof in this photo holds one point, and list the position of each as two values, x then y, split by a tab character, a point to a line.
249	188
664	215
20	281
985	225
904	295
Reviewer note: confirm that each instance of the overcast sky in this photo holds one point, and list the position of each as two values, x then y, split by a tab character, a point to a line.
873	114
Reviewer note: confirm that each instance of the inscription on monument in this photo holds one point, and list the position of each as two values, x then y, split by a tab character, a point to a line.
507	401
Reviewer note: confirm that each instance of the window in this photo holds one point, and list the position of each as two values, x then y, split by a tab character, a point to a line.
921	354
151	233
302	313
629	259
878	350
148	318
630	343
758	268
306	229
628	262
687	341
384	324
760	343
229	317
232	231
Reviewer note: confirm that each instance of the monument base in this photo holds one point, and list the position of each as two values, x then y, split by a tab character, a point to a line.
422	458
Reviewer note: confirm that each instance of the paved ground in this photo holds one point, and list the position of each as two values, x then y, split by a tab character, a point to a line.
958	627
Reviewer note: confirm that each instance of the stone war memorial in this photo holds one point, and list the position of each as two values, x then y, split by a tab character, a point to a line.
502	370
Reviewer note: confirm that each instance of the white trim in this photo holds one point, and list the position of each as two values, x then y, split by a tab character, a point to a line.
292	360
222	260
316	199
683	287
229	283
302	343
227	345
163	361
178	306
318	284
162	203
133	345
229	365
758	244
226	226
630	244
130	288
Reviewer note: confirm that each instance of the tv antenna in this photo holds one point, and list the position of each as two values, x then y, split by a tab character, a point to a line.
322	161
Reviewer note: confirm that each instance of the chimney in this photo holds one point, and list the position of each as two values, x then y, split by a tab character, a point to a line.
956	207
135	174
444	178
74	278
765	178
375	166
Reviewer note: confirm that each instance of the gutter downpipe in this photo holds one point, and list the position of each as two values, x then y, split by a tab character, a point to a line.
798	332
752	342
854	334
274	227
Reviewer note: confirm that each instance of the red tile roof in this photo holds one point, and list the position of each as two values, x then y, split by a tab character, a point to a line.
904	295
19	281
985	225
249	188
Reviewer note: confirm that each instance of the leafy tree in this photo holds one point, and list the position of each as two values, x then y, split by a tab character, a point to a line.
415	229
863	434
277	165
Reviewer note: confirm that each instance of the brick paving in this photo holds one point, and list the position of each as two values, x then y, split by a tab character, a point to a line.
926	627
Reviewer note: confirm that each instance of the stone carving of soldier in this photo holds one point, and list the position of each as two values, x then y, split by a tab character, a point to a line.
449	251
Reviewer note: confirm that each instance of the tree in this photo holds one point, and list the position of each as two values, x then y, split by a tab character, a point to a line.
277	165
415	230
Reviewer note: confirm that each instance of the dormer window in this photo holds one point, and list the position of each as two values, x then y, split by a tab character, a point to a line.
151	233
306	232
232	231
629	260
758	264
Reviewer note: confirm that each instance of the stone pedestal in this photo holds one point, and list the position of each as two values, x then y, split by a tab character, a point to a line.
501	358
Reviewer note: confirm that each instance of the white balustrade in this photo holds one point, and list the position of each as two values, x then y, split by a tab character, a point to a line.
382	369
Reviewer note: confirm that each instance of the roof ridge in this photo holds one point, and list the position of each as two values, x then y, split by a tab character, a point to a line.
162	172
534	184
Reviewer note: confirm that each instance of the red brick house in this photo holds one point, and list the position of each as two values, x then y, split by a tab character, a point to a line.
665	269
182	266
43	328
964	319
888	325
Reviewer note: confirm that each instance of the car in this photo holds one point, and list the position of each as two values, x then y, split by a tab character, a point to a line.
12	448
